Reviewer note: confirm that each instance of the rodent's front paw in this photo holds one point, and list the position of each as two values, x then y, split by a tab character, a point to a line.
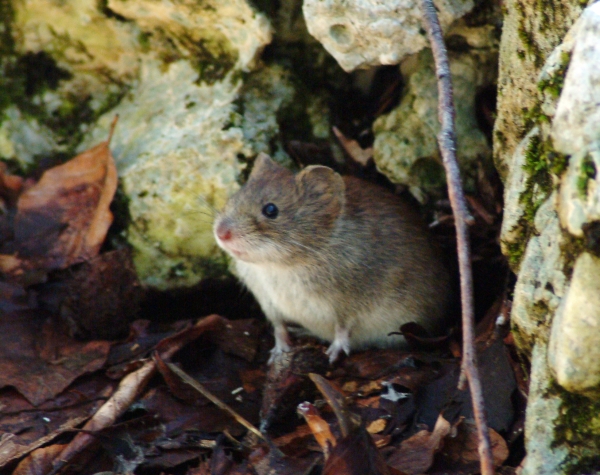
336	348
339	343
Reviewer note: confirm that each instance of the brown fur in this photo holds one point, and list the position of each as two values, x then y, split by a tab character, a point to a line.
344	258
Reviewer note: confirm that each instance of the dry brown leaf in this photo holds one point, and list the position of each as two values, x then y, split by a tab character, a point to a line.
301	432
25	427
318	426
10	185
130	387
63	219
352	147
356	454
38	462
53	360
376	426
415	454
462	450
98	298
115	406
287	385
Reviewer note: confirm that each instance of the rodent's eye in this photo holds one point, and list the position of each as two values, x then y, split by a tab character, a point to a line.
270	211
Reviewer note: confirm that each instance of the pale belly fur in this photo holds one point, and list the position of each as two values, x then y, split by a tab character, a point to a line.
283	295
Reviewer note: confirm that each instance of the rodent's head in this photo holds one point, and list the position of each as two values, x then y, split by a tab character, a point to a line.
279	217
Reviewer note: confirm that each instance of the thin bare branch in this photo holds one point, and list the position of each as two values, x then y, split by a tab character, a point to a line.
447	143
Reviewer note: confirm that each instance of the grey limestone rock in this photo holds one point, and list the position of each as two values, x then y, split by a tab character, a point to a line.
530	32
363	33
544	456
575	128
575	124
541	282
574	353
550	197
192	99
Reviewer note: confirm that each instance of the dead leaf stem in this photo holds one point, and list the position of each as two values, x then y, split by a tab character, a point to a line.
214	399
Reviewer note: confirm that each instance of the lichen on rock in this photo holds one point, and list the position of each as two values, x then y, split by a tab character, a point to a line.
211	34
194	106
549	161
530	33
177	160
71	63
406	148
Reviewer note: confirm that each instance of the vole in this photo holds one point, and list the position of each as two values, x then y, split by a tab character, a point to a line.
344	258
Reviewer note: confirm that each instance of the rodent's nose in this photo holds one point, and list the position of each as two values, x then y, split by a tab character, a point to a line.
223	231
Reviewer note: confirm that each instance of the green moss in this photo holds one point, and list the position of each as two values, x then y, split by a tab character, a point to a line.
200	266
294	122
541	162
587	173
538	183
213	61
565	59
28	78
429	173
533	116
530	116
578	427
571	248
544	7
531	47
516	250
557	162
211	267
6	54
144	41
554	85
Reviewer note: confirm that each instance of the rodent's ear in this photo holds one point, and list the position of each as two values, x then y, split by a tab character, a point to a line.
321	183
263	163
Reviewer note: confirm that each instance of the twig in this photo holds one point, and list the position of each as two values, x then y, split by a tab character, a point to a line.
115	406
214	399
129	388
447	143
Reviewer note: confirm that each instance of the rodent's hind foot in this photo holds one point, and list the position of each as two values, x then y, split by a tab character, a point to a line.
340	342
282	343
276	352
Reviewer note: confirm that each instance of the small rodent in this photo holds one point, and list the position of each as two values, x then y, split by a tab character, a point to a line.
345	259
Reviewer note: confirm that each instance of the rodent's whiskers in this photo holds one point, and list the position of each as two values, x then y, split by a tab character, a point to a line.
197	213
203	208
208	205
